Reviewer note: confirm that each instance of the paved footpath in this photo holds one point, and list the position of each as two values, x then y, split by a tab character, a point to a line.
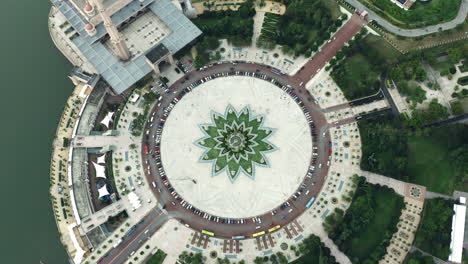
328	51
339	256
374	178
460	18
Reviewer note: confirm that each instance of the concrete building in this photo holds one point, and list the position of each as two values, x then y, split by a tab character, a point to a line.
458	230
405	4
121	40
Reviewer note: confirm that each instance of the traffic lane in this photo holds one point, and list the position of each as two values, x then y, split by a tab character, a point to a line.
276	78
128	241
384	89
138	241
375	113
203	223
379	95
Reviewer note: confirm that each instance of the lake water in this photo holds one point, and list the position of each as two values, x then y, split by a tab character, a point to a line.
34	86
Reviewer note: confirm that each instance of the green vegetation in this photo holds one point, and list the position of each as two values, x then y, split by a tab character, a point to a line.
144	81
304	27
464	66
157	258
278	258
434	233
406	75
150	97
457	108
434	157
191	258
205	51
416	257
235	26
364	232
358	73
435	112
443	58
463	81
419	15
138	123
313	251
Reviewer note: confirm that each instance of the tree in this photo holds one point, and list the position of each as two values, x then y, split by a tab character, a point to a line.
457	108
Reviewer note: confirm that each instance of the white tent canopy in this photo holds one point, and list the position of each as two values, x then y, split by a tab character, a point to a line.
107	119
101	159
100	170
103	191
134	200
458	230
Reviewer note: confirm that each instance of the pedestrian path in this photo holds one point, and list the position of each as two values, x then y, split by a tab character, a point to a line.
374	178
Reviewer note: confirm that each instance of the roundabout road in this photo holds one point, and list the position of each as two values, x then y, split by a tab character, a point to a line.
224	230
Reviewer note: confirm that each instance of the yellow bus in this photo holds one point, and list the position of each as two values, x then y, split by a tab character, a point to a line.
258	234
207	233
274	228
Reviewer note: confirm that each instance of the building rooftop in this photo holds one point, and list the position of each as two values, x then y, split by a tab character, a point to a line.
458	231
157	53
122	75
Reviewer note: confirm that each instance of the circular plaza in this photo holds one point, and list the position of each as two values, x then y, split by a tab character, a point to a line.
244	151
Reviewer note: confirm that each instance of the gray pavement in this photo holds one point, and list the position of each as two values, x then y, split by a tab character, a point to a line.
228	230
460	18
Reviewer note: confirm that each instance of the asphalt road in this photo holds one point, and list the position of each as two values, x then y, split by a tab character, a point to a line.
155	219
268	220
384	89
131	242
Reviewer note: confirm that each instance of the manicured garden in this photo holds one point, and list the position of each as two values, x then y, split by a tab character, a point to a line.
313	251
157	258
303	28
363	233
416	257
434	233
434	157
419	15
357	74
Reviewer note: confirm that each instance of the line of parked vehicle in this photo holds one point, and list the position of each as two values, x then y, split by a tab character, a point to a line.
157	156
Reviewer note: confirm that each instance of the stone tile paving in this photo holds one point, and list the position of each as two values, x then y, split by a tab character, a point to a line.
402	240
59	189
325	90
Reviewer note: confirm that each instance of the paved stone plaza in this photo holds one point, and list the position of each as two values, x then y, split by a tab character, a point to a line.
245	196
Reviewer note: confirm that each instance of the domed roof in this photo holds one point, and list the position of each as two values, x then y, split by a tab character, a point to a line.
89	27
88	7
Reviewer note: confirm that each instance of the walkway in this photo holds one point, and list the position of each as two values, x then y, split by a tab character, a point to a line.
100	141
328	51
432	195
417	31
339	256
374	178
101	216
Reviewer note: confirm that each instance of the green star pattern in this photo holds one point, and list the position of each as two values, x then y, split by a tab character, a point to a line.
235	142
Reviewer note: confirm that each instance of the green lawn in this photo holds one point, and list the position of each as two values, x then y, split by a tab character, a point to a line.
387	52
433	157
387	209
420	14
429	164
333	7
356	77
358	74
157	258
